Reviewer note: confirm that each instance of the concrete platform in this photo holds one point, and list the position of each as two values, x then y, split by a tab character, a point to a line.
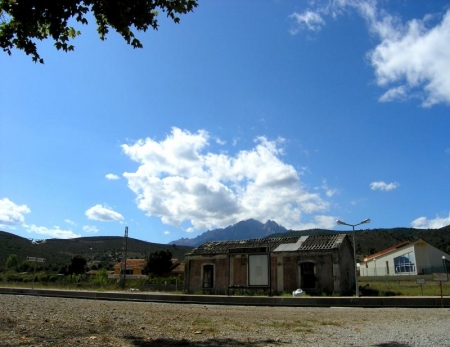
394	301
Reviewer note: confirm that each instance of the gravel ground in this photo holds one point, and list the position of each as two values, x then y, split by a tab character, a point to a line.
41	321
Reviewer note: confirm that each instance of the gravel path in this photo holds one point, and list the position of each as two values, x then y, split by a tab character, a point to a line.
41	321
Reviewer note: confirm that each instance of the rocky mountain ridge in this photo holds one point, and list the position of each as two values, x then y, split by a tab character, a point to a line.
248	229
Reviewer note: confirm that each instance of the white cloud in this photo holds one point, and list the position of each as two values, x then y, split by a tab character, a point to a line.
68	221
167	233
180	182
411	60
380	185
415	55
90	229
436	223
104	214
322	222
55	232
11	213
329	191
111	176
394	94
307	20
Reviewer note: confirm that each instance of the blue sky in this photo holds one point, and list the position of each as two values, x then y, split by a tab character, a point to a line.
295	111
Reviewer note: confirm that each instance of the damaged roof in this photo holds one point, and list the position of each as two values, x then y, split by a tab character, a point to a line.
282	244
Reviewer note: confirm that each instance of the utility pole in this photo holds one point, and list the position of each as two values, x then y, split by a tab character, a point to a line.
124	258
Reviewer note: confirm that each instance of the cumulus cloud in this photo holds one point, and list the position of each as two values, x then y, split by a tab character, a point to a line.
90	229
55	232
380	185
68	221
411	59
436	223
111	176
103	214
179	181
12	214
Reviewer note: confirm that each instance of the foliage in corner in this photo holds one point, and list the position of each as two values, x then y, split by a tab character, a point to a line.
159	262
24	22
77	265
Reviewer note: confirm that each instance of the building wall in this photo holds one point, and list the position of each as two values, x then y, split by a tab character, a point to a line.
290	272
427	259
323	272
238	274
344	269
273	272
429	256
194	273
384	265
134	271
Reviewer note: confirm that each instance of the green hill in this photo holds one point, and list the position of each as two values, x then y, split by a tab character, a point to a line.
108	249
101	248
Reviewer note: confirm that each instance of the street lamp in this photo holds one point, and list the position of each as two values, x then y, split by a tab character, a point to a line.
375	263
35	242
365	221
445	264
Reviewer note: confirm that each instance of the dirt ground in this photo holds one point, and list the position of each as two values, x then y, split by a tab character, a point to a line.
42	321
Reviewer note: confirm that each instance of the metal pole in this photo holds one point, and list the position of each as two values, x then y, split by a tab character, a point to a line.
34	274
229	270
445	264
124	258
356	263
35	242
270	268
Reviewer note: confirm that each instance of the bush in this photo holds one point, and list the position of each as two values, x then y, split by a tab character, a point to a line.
100	279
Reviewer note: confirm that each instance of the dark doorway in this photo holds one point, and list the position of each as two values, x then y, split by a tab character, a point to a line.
308	278
208	276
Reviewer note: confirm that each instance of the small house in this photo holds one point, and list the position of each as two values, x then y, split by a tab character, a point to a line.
316	264
134	269
406	258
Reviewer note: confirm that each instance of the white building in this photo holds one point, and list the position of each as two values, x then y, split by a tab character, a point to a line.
406	258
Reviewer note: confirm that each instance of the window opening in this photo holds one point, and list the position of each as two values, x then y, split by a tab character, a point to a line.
405	263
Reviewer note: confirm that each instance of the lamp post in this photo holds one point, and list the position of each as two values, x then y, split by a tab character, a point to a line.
375	263
445	264
365	221
36	242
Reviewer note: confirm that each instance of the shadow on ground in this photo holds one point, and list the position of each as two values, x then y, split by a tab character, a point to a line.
392	344
140	342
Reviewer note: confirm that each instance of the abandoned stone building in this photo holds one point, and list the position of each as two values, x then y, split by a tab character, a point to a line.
316	264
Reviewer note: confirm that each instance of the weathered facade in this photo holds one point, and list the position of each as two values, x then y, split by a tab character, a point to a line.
316	264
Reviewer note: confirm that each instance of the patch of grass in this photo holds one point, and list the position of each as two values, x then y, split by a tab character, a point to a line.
330	323
407	287
326	322
298	326
204	324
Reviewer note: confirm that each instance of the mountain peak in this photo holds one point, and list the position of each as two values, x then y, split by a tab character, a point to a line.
243	230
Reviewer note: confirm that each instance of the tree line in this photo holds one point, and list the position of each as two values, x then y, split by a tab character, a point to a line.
157	263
